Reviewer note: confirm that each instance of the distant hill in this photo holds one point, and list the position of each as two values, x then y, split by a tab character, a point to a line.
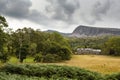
64	34
88	31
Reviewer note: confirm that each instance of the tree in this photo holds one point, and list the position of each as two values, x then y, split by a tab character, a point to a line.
22	53
3	23
112	46
22	44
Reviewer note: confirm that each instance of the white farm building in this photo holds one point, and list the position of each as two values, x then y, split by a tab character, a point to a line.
88	51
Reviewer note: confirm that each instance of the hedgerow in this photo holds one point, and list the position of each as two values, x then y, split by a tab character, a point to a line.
51	72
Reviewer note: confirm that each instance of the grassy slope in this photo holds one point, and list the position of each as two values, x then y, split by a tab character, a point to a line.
99	63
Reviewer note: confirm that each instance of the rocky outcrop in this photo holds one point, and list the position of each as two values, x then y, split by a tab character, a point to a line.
86	31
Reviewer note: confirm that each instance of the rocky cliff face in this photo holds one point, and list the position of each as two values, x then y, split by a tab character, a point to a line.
86	31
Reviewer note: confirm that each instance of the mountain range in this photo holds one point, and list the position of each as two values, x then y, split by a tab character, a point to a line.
88	31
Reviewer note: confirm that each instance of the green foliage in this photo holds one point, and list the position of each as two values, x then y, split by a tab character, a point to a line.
89	42
3	23
22	53
32	49
27	41
56	52
52	72
6	76
51	58
65	53
38	57
113	76
112	46
4	57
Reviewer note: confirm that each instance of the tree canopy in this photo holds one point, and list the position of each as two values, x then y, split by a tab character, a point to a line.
112	46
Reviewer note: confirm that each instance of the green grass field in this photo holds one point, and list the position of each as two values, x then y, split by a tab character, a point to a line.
98	63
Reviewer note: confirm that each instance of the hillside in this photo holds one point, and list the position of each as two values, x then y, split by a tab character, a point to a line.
86	31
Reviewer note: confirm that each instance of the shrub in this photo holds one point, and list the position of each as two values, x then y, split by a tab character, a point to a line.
52	72
65	53
113	77
60	51
38	58
51	58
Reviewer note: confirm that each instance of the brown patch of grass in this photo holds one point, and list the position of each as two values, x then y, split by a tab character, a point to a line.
99	63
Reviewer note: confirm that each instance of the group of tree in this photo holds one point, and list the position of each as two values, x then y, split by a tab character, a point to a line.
110	45
87	42
43	46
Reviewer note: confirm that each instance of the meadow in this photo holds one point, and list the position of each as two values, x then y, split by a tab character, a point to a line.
98	63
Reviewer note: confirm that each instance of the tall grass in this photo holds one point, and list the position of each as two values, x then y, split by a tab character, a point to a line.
99	63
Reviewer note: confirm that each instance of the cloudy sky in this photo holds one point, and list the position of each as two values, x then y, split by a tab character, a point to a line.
61	15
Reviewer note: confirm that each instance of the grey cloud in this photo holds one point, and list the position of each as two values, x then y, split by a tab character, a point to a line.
20	9
100	9
63	9
68	12
114	12
97	13
15	8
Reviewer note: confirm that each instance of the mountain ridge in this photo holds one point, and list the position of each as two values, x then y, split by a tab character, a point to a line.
88	31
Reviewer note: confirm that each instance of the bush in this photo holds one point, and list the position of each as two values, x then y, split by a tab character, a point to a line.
65	53
113	77
51	58
52	72
62	52
38	58
6	76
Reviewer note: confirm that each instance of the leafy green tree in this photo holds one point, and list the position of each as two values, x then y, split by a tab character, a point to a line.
112	46
65	53
3	23
21	43
32	49
8	43
22	53
56	37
